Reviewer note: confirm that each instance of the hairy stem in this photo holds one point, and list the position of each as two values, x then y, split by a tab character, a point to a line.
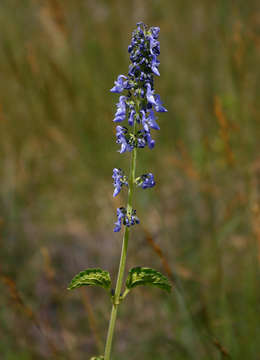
122	264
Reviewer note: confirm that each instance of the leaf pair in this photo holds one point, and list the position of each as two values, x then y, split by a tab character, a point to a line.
136	276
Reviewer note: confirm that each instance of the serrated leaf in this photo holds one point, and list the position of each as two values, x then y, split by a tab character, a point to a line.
97	358
91	277
146	276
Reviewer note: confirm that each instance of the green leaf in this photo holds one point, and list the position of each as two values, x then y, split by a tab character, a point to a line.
146	276
88	277
97	357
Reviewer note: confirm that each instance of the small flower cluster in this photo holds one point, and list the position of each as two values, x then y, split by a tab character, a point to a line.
137	108
125	219
145	181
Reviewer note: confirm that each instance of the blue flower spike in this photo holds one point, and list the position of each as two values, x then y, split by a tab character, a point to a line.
136	121
140	102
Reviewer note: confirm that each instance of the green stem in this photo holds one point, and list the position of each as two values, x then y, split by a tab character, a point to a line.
121	269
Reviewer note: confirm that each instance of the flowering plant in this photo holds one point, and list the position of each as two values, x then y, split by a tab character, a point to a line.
136	109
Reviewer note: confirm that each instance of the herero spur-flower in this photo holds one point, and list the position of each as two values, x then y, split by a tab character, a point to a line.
136	119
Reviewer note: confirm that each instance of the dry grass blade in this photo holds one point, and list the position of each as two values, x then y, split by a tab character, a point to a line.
18	302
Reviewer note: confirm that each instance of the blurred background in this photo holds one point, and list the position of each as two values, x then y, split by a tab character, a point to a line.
201	224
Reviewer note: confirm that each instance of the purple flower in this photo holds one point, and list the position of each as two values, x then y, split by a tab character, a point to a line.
123	139
134	70
120	212
150	142
154	46
120	114
154	99
119	180
154	65
145	181
120	84
141	142
159	107
150	95
155	31
149	121
131	118
144	138
125	219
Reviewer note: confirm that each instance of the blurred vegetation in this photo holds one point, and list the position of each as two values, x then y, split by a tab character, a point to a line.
201	224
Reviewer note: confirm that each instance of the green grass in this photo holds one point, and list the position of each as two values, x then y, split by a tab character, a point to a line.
58	60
